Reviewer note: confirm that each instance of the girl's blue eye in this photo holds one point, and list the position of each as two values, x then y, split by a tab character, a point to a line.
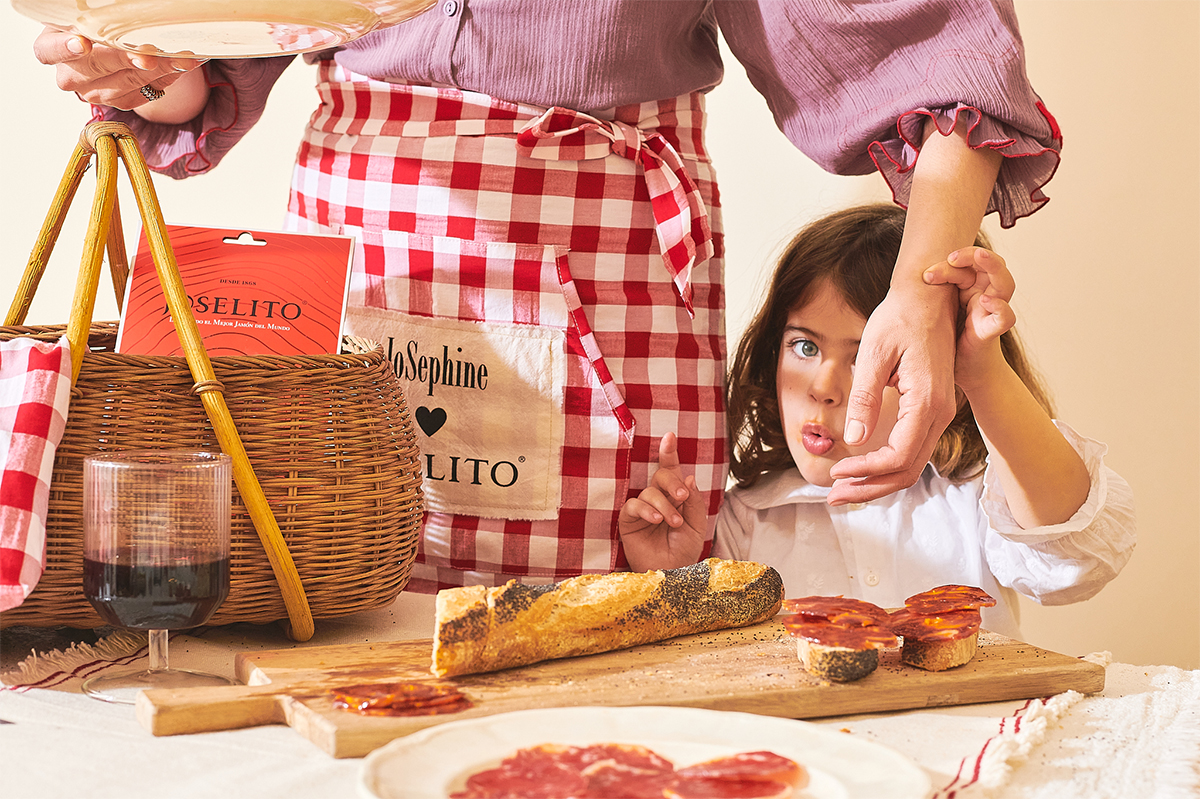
805	348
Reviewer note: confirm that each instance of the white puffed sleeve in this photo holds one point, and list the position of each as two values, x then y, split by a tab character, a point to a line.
1069	562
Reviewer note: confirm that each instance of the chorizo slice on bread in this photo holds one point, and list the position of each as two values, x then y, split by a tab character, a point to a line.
947	598
838	638
940	627
482	629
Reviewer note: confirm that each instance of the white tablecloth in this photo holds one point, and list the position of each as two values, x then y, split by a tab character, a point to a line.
1138	739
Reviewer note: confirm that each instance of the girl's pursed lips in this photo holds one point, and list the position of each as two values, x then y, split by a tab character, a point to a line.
817	429
816	438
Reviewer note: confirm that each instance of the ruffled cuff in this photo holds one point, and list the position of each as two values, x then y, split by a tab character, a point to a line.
1028	163
1000	518
237	98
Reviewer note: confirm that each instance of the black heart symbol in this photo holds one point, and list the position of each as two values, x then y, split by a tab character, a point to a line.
431	421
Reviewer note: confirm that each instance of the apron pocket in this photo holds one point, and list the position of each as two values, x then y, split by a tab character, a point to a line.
485	338
487	400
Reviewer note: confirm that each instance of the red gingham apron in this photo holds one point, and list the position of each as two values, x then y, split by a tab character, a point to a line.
592	238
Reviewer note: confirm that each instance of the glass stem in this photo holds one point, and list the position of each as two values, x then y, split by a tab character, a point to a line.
158	650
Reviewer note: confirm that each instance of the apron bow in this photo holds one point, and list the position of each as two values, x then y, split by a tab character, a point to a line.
680	216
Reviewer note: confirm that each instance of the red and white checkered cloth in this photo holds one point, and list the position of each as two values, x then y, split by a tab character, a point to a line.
35	392
626	196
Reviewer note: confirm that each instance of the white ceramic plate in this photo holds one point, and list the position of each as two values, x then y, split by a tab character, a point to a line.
434	762
221	28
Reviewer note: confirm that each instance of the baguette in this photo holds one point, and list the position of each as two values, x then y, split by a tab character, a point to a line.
487	629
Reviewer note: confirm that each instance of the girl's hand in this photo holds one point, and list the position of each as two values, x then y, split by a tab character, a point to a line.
105	75
664	527
985	287
1044	479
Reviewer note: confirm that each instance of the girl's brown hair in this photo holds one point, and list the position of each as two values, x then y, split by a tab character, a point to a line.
855	250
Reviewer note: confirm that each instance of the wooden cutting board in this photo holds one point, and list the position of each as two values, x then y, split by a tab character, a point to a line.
753	669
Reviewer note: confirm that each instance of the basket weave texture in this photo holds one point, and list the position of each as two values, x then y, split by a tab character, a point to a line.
329	437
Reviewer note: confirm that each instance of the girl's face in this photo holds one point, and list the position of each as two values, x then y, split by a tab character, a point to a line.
813	378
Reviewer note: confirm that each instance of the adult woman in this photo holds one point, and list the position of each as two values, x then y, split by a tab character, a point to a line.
562	143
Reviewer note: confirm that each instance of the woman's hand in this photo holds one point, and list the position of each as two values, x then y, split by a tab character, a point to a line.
985	287
664	527
909	340
908	344
106	76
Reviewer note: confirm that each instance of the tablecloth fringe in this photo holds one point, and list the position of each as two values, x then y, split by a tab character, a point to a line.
76	662
1145	745
1011	748
1020	735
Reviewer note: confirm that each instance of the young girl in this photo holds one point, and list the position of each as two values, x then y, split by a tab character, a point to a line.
1011	501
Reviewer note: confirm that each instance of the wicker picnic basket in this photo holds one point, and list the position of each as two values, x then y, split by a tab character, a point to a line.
327	504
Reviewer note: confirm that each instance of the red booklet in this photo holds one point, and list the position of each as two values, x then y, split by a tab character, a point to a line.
252	293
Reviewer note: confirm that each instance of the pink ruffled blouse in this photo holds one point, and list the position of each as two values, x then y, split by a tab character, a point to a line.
849	83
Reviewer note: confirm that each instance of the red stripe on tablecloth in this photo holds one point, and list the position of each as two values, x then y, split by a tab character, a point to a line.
954	786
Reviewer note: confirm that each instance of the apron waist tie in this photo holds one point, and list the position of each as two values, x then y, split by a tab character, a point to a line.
681	219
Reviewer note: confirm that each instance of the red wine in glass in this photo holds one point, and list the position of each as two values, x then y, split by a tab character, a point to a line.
156	554
156	596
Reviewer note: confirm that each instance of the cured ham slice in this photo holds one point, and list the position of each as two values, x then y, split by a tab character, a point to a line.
766	766
610	780
526	775
706	788
628	756
625	771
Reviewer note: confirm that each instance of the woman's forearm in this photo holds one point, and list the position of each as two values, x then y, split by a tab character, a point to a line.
909	339
951	187
1043	477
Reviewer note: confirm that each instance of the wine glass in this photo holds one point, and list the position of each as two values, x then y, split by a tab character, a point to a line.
156	554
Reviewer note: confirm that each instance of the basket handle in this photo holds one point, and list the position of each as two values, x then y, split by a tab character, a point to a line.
108	140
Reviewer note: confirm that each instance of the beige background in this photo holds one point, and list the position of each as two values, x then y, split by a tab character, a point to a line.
1107	272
